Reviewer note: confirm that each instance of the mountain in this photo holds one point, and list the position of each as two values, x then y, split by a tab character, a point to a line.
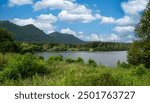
65	38
30	33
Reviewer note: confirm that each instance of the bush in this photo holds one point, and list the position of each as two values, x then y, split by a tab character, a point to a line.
23	66
53	58
123	65
41	57
92	63
140	70
4	60
80	60
69	60
105	79
7	43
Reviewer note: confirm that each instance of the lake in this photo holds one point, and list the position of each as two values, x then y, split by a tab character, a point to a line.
105	58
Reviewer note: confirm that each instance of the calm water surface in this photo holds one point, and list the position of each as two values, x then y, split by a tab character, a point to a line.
104	58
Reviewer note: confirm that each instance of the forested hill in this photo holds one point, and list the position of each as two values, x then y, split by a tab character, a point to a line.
30	33
68	38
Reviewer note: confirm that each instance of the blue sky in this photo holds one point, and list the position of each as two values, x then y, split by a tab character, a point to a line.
89	20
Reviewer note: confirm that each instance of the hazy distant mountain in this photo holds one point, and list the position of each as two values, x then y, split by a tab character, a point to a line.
30	33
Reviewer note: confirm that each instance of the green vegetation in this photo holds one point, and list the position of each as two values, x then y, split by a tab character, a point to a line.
7	44
80	60
33	39
31	70
22	66
139	52
53	59
92	63
32	34
89	46
17	67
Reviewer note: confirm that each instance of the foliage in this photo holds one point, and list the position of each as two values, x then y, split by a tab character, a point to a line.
140	70
25	70
105	79
22	66
28	33
92	63
4	60
28	47
59	48
139	52
7	44
69	60
88	46
32	34
80	60
53	58
123	65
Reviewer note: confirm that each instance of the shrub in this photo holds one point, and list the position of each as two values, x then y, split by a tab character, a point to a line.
41	57
69	60
80	60
105	79
53	58
92	63
140	70
7	43
123	65
4	60
22	66
59	58
118	63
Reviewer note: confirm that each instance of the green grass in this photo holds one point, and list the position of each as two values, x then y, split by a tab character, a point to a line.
64	73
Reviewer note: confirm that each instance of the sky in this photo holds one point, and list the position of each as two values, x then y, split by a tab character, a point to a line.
89	20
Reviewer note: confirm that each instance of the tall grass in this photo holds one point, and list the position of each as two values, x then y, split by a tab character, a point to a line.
60	72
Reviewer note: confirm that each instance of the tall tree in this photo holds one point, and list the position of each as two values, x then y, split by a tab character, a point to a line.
139	52
7	43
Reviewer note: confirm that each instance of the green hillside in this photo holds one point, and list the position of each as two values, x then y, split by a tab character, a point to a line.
30	33
65	38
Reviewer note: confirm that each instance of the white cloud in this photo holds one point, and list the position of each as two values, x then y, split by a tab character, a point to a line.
106	37
43	22
72	17
107	20
110	37
12	3
23	22
68	5
104	19
53	4
94	37
125	26
133	7
97	37
47	18
124	29
70	11
126	20
68	31
98	16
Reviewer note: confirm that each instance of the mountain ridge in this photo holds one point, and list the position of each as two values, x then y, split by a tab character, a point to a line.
30	33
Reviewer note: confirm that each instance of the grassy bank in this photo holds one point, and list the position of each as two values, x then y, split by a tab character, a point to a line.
16	69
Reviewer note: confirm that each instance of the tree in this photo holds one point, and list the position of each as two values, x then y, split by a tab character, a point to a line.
7	43
139	52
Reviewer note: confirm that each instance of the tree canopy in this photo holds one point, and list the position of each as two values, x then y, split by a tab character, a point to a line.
7	43
139	52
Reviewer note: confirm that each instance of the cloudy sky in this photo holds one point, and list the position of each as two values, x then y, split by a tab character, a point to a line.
89	20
